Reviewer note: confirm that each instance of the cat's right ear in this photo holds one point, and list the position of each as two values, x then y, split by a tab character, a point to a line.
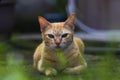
70	21
43	23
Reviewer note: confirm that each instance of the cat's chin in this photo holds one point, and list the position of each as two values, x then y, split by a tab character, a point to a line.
57	47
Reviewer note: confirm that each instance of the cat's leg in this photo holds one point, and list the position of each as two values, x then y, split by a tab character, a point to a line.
75	70
48	71
39	67
36	57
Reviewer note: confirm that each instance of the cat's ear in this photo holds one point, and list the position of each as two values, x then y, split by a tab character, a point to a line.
43	23
70	21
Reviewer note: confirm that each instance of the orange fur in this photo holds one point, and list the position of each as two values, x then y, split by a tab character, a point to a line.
60	51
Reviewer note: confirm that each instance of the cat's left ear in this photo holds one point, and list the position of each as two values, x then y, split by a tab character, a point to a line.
43	23
70	21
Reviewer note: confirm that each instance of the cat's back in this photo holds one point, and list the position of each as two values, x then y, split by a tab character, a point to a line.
40	47
79	43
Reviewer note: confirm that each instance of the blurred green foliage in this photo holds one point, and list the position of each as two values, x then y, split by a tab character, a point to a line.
13	70
14	67
3	47
62	58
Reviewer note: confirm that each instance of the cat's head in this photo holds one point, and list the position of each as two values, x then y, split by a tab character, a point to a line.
57	35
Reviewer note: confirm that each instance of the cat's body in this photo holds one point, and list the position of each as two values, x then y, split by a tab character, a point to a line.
60	51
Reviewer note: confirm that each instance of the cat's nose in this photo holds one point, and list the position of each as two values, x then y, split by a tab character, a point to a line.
57	42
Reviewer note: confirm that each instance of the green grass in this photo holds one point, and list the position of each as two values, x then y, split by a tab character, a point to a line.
17	66
4	47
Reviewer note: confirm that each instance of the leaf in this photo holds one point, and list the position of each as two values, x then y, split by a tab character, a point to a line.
61	58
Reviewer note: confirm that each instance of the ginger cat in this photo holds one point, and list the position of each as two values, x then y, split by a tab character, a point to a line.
60	51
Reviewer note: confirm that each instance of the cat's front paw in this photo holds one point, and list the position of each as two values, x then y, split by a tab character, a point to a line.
71	71
50	72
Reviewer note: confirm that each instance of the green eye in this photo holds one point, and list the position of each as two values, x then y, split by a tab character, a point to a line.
65	35
50	36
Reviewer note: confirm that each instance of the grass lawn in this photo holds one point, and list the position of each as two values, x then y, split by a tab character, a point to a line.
16	64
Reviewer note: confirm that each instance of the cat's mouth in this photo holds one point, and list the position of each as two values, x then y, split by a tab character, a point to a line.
58	47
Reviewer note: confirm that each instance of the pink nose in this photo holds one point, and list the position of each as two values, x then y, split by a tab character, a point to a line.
57	42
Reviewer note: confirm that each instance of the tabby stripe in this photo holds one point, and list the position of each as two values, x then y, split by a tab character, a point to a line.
51	60
70	55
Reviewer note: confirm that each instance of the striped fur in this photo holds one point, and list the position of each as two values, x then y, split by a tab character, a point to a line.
60	51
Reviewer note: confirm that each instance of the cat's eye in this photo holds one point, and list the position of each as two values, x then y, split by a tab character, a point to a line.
50	36
65	35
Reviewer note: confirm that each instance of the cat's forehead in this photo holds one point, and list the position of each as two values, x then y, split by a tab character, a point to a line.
57	28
